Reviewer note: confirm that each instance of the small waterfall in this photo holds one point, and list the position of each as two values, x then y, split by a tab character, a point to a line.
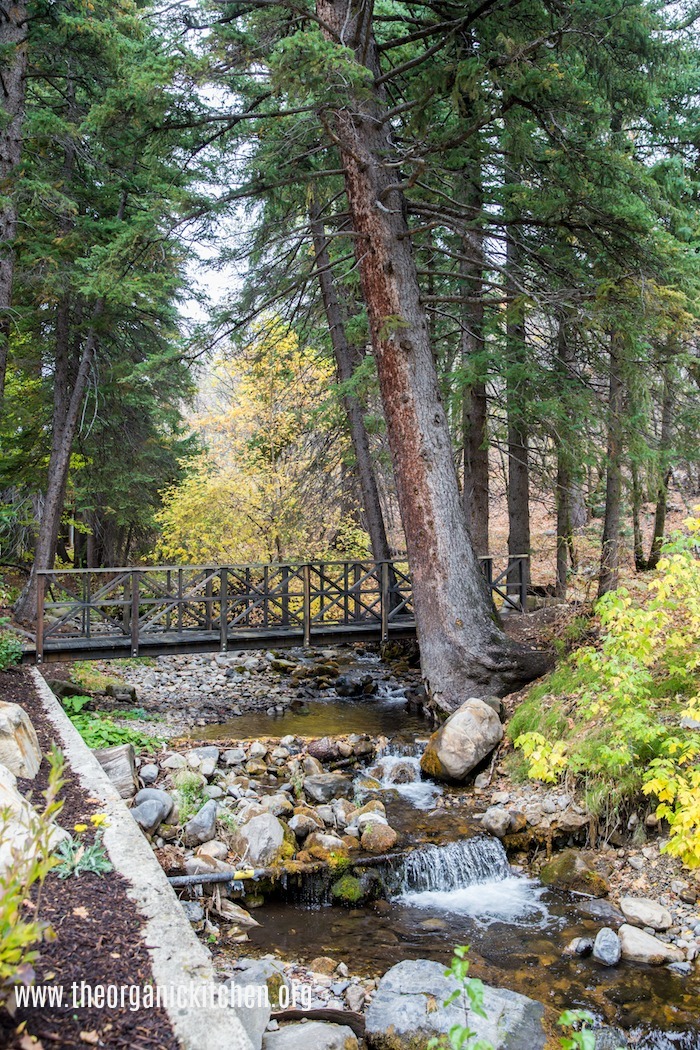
398	769
455	866
470	878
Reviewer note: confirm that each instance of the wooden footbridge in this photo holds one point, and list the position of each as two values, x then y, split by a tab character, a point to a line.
151	611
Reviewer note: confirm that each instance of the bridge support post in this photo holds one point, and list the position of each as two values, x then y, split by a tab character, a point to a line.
223	618
134	614
40	588
306	577
385	599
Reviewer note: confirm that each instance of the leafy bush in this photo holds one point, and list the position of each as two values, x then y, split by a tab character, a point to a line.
19	935
10	647
100	730
615	718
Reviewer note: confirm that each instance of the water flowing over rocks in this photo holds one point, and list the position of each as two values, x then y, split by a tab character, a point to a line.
462	742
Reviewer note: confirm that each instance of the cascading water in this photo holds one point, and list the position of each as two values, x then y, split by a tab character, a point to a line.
402	773
472	878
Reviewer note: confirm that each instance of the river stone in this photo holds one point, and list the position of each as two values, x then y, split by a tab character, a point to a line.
641	947
569	871
202	826
259	841
149	814
601	910
279	805
263	971
199	755
233	756
312	766
639	911
606	947
316	1034
609	1039
174	761
496	820
148	774
365	820
214	849
465	740
19	746
407	1011
332	843
378	838
302	825
323	787
155	795
581	946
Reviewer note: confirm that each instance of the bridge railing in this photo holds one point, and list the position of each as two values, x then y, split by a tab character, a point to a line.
136	606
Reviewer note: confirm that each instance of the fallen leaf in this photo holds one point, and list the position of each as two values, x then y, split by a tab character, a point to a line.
82	913
28	1042
49	976
90	1037
114	955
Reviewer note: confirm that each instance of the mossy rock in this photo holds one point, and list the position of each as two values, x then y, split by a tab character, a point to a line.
358	888
569	871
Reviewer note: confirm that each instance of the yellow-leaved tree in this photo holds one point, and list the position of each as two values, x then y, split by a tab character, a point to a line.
266	489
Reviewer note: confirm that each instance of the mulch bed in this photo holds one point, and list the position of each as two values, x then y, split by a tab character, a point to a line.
98	930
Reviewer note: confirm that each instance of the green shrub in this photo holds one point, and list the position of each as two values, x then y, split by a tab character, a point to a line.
10	647
99	730
20	935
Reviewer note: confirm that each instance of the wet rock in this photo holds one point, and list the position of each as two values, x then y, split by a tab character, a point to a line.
235	914
606	947
407	1011
639	911
466	739
581	946
202	826
316	1034
569	871
259	841
378	838
357	889
683	969
496	820
641	947
155	795
609	1039
603	911
19	746
323	787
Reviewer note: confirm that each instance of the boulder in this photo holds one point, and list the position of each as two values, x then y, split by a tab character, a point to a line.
641	947
407	1011
202	826
279	805
302	825
316	1034
496	820
323	787
606	947
18	826
233	756
259	841
148	774
639	911
119	763
378	838
19	747
569	871
466	739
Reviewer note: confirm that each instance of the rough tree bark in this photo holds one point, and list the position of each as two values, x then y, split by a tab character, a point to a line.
566	485
13	38
463	651
610	547
347	359
642	563
475	489
518	434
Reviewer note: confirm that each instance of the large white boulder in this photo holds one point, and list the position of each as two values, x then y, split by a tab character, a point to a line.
641	947
462	742
19	747
639	911
259	841
408	1011
19	826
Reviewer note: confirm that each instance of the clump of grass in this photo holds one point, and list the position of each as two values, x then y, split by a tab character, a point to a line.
89	677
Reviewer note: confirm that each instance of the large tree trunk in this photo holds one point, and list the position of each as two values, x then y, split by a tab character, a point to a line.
59	462
463	651
610	547
475	489
566	487
518	432
347	359
13	37
641	563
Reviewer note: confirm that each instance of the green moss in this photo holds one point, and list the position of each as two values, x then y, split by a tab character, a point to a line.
88	676
347	889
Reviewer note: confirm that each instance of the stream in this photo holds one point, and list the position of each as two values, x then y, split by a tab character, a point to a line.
455	887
